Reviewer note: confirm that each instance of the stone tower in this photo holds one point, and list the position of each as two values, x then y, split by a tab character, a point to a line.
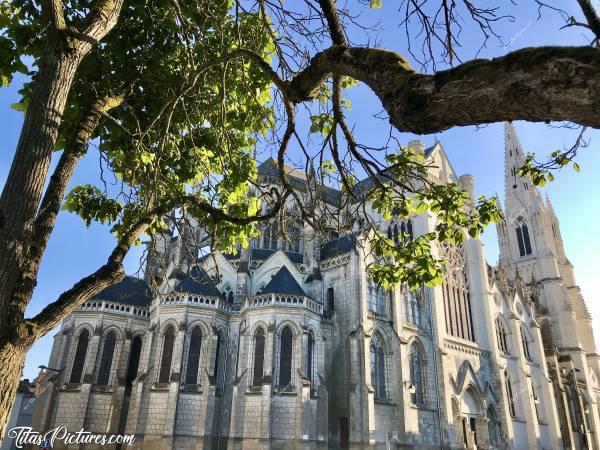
531	248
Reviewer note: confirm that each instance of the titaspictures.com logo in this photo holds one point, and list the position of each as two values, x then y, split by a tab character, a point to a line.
28	436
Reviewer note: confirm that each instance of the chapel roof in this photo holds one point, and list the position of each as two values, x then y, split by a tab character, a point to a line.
197	281
299	180
338	246
283	283
130	291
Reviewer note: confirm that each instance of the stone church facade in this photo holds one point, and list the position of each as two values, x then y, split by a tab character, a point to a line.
288	344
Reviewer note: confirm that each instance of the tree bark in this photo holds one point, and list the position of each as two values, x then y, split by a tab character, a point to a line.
23	189
535	84
12	360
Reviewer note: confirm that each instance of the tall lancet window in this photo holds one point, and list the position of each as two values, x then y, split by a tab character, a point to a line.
525	343
193	357
167	355
108	351
376	299
501	335
259	357
293	238
134	360
310	350
415	360
285	358
400	233
79	360
412	307
457	300
378	375
509	395
270	233
523	240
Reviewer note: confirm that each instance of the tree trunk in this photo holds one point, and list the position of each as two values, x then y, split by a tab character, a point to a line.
23	189
12	361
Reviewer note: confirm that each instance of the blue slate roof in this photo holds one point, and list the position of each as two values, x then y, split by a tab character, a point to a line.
129	291
262	253
299	180
265	253
197	281
338	246
283	283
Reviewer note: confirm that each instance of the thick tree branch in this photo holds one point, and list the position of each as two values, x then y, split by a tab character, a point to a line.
108	274
591	16
104	17
54	10
333	21
535	84
75	148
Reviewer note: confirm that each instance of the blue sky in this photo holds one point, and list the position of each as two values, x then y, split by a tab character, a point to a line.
75	251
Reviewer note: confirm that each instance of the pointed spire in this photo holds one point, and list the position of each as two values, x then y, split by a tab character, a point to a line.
513	160
519	190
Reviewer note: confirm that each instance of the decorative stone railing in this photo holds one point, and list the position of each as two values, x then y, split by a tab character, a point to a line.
298	301
195	299
217	303
112	307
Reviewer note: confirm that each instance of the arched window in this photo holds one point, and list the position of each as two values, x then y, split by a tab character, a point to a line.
501	335
401	233
134	360
266	237
193	356
455	289
525	343
79	360
376	299
285	358
509	394
108	351
273	233
416	375
378	375
164	374
523	240
494	429
259	357
330	299
412	313
293	236
270	236
310	353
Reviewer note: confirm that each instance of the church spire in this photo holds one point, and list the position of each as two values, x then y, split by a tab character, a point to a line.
519	191
513	160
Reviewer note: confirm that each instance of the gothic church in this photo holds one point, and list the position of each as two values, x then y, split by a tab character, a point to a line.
288	344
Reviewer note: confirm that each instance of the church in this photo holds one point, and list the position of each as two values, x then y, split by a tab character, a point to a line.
289	344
